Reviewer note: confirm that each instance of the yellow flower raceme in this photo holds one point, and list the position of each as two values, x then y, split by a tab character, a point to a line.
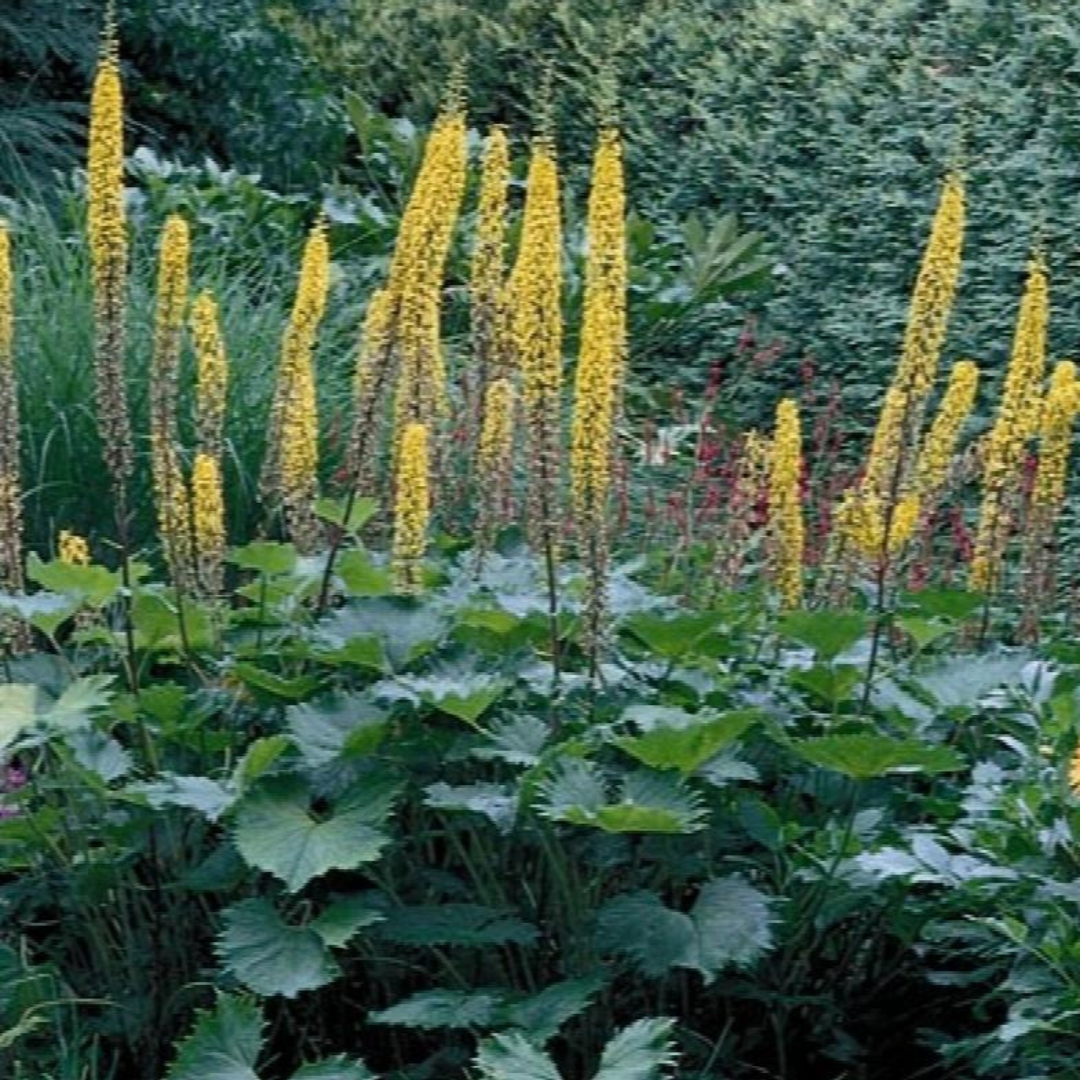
1015	425
172	292
208	519
293	452
862	522
107	233
937	451
488	256
412	502
73	549
212	374
785	507
495	459
536	290
370	381
887	477
11	523
1074	772
1055	439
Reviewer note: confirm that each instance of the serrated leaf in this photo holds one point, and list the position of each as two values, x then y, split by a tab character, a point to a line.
496	802
689	745
862	756
433	1009
458	690
519	740
346	726
360	513
541	1015
199	793
455	924
828	633
93	585
18	710
276	832
345	918
674	636
513	1057
955	604
224	1044
728	926
642	1051
406	629
258	759
268	955
79	702
361	576
265	557
105	757
336	1068
294	689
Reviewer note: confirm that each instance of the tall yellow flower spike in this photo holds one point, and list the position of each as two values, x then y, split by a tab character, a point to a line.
412	509
208	518
786	531
211	373
1015	425
373	366
937	451
1058	415
495	460
536	291
107	234
11	522
170	494
489	254
293	450
599	371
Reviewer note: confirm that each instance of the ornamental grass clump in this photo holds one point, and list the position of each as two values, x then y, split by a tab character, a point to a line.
786	530
107	234
290	474
11	523
600	366
207	494
412	509
1014	427
170	491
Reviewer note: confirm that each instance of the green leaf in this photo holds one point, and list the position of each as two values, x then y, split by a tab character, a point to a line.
347	726
862	756
672	637
344	919
518	740
728	926
830	683
155	617
276	832
360	513
18	710
455	924
265	557
105	757
459	690
336	1068
541	1015
497	802
513	1057
224	1045
689	745
954	604
258	759
361	652
432	1009
361	576
406	629
923	631
199	793
295	689
92	585
642	1051
23	706
828	633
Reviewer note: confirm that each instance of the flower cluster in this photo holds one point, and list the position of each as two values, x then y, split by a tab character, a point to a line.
11	524
73	549
937	452
786	530
412	508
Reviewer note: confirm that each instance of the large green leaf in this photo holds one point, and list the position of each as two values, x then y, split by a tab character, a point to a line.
828	633
200	793
276	831
347	726
270	956
689	744
728	926
24	706
224	1045
265	557
642	1051
675	636
361	576
336	1068
406	629
541	1015
513	1057
345	918
359	514
432	1009
862	756
92	585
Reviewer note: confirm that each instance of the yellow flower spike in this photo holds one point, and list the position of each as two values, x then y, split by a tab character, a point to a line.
495	460
1059	412
291	468
208	517
211	373
11	522
536	288
371	379
489	255
1015	425
412	509
598	388
937	452
1074	772
170	495
786	530
107	234
73	549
